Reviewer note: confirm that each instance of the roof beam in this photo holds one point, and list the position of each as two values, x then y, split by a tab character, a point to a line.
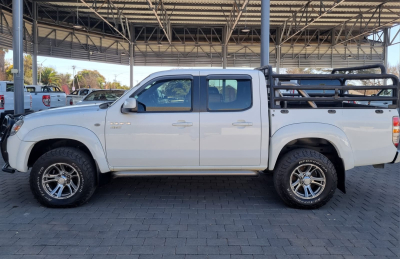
163	19
295	20
234	18
105	20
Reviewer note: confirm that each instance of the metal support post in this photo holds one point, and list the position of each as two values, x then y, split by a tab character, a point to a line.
386	42
278	50
265	12
18	56
35	44
224	49
131	53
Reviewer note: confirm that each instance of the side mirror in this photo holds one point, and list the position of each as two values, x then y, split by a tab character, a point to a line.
130	105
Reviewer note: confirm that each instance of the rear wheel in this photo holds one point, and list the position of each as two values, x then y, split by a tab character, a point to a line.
63	177
305	179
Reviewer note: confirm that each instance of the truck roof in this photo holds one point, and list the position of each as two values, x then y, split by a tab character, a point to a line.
205	71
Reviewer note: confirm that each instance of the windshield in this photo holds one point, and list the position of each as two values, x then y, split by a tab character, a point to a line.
104	95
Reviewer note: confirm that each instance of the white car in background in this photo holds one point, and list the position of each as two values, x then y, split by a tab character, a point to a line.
45	97
78	95
7	99
102	96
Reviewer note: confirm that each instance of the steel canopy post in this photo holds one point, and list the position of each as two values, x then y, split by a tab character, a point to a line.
18	56
224	49
386	42
131	53
265	12
35	44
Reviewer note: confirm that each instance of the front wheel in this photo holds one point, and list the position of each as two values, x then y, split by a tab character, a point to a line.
305	179
63	177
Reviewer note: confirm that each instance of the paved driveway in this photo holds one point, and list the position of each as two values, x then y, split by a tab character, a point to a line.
204	217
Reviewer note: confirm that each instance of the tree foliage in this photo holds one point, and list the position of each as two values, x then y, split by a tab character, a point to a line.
90	78
50	76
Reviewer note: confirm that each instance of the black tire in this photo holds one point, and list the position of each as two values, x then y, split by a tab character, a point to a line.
295	159
72	158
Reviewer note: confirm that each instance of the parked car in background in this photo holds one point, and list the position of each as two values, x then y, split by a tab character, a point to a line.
101	96
7	99
45	97
78	95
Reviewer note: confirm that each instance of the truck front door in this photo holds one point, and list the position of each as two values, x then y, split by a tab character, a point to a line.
230	122
165	130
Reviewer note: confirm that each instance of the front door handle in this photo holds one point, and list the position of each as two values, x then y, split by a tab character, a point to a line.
242	124
182	124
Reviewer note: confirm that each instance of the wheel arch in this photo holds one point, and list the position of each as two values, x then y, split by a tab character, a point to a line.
50	137
324	138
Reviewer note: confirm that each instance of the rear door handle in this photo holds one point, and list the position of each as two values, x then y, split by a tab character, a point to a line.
242	124
182	124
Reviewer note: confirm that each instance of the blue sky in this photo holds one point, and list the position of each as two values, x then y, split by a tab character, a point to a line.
140	72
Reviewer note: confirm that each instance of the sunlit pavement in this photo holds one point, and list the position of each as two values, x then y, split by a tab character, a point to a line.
204	217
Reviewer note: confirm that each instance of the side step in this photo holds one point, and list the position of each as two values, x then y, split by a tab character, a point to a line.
181	173
6	168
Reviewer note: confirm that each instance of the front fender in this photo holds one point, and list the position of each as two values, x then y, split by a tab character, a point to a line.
83	135
328	132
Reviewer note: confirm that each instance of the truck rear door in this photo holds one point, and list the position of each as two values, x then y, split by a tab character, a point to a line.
230	120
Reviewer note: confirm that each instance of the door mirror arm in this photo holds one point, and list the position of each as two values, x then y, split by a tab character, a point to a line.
129	106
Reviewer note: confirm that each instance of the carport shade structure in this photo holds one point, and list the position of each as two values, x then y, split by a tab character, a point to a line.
207	33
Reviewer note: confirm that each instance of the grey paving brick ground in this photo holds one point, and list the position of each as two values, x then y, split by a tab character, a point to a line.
204	217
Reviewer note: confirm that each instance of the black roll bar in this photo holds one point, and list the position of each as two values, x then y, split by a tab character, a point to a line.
380	66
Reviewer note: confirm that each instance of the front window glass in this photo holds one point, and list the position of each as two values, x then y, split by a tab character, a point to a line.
229	95
166	96
106	95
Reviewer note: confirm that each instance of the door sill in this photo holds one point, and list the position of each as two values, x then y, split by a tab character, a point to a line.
181	173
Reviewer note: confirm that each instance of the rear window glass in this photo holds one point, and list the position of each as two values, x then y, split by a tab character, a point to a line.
30	89
50	89
108	96
9	88
229	95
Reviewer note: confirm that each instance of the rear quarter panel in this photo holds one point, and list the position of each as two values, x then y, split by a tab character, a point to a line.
369	134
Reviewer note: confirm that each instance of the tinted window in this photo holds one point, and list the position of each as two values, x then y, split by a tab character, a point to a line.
84	92
10	88
74	92
107	95
229	95
30	89
166	96
386	93
50	89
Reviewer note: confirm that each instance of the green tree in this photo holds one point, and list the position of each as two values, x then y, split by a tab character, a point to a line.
28	80
27	70
115	85
65	79
3	75
50	76
90	78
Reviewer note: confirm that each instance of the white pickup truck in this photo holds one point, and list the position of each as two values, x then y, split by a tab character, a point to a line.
206	122
45	97
7	99
78	95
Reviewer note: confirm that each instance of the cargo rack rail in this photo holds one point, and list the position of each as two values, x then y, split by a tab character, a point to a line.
339	95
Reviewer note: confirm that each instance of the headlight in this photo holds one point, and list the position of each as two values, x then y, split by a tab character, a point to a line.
16	127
